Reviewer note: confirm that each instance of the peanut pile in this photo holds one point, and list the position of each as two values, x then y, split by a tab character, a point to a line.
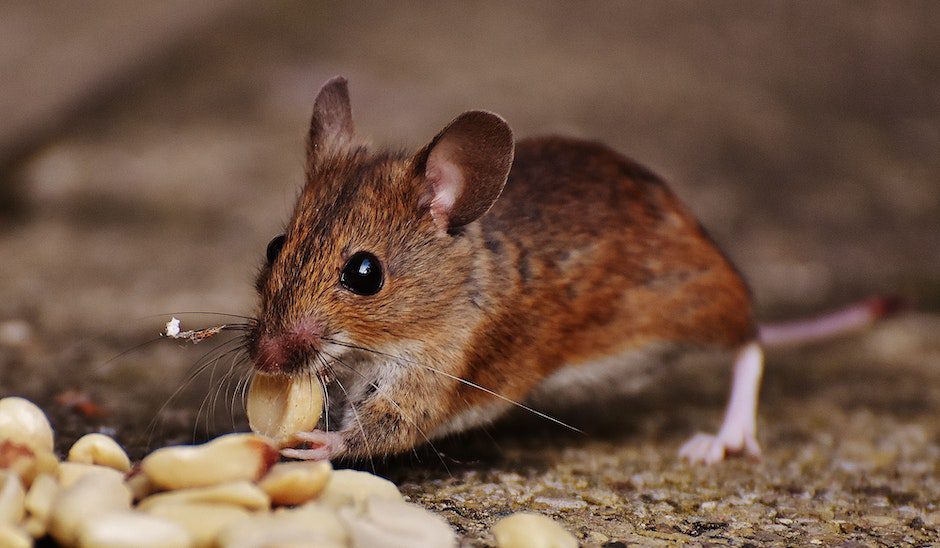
230	493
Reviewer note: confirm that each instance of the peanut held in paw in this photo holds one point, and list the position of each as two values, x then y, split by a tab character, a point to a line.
280	406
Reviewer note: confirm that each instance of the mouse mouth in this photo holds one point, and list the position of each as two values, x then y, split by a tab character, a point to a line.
286	350
292	364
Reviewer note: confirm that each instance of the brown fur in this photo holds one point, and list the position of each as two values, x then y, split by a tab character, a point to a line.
585	255
592	255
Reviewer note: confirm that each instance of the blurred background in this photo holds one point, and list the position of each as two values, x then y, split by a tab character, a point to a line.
149	151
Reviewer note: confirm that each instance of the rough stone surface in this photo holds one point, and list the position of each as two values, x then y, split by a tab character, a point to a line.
805	137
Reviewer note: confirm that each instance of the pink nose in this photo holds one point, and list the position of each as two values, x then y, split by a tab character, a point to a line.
282	352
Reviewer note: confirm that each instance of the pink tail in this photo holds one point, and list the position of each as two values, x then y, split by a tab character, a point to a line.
846	320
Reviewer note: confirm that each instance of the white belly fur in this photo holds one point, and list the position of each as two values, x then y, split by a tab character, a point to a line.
576	384
621	374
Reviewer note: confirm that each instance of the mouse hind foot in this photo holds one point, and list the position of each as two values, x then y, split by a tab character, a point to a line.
738	432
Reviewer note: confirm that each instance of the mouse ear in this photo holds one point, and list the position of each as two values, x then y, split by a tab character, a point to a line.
332	123
465	167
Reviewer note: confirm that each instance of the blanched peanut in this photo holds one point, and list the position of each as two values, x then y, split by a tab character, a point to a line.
12	499
278	530
45	463
258	531
14	537
34	527
129	529
38	504
238	493
382	522
289	483
325	520
279	406
139	484
203	522
524	530
25	461
22	422
71	472
352	488
90	496
99	449
228	458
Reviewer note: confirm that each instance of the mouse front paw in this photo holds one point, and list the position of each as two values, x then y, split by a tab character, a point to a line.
708	449
327	446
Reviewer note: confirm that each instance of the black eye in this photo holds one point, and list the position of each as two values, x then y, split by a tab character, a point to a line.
362	274
275	246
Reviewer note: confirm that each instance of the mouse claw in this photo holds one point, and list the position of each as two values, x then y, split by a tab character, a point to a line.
331	445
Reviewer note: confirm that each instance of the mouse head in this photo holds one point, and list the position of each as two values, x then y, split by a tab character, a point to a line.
376	252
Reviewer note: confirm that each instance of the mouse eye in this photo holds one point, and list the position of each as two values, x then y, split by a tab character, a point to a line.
362	274
275	246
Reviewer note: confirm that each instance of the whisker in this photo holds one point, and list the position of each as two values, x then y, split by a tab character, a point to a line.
464	381
215	389
249	375
326	393
250	319
198	368
326	400
362	430
225	384
242	381
502	397
231	405
126	352
227	327
205	357
309	377
388	398
204	402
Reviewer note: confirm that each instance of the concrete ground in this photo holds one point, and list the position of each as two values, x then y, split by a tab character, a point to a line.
805	137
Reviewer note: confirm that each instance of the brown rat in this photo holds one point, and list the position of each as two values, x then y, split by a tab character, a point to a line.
432	290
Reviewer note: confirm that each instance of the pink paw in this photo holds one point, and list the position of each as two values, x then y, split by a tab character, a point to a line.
709	449
331	445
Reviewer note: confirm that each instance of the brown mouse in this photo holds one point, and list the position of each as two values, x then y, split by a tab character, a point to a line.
431	292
